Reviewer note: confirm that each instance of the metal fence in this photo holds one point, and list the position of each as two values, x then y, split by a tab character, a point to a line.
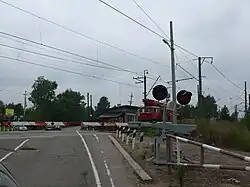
202	148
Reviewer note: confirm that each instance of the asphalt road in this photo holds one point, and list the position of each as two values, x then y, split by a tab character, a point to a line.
69	158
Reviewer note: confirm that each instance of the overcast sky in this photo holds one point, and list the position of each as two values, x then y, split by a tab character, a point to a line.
207	28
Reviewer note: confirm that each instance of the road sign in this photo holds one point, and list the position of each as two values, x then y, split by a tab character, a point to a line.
9	112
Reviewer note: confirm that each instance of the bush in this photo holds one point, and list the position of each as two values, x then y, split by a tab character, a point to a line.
225	134
148	131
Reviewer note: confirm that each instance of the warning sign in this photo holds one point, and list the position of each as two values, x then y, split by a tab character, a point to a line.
9	112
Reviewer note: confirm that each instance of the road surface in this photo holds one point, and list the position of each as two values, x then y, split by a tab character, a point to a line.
69	158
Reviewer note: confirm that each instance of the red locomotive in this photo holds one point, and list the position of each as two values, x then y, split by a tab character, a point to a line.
153	111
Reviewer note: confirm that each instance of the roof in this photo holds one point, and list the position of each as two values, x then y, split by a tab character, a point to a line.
111	115
123	107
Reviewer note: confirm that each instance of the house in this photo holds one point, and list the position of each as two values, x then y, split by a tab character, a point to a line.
124	114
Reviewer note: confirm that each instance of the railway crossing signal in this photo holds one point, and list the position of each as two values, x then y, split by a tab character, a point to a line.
184	97
160	92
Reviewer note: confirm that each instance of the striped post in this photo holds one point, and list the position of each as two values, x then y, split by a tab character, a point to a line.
141	140
133	140
127	139
120	132
123	134
117	132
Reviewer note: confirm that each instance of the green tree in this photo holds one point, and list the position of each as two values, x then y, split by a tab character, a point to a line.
1	110
102	105
208	108
69	106
234	115
32	114
224	113
18	110
43	96
187	112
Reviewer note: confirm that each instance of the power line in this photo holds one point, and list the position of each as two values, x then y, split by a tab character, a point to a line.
75	54
226	77
140	7
81	34
68	52
6	90
132	19
157	34
58	58
144	26
68	71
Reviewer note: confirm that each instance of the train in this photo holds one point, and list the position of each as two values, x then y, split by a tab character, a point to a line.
152	111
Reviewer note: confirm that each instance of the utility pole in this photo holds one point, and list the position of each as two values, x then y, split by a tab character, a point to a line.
245	97
25	103
200	82
200	62
144	81
248	100
145	84
236	111
131	99
88	106
91	105
174	118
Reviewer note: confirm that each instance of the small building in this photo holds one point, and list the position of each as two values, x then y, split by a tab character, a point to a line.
123	114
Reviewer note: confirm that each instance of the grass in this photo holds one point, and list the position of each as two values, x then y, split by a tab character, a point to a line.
225	134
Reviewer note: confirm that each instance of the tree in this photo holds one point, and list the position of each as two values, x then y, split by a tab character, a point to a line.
32	114
43	96
1	110
224	113
18	109
69	106
234	115
102	105
43	92
209	107
187	112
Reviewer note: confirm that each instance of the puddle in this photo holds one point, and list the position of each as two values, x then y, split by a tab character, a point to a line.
28	149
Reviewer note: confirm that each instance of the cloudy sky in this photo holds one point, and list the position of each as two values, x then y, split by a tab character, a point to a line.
207	28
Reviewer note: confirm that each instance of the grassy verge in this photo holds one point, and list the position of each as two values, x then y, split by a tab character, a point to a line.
228	134
225	134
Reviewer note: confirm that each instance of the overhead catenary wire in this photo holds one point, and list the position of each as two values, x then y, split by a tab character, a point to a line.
59	58
226	77
68	52
132	19
6	90
83	35
162	37
67	71
144	26
140	7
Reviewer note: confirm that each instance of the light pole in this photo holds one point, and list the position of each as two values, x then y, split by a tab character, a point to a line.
171	46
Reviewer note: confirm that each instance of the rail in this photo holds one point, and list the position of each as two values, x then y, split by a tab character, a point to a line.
202	148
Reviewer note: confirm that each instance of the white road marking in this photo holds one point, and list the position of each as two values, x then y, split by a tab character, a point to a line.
10	153
18	147
109	174
96	137
97	178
